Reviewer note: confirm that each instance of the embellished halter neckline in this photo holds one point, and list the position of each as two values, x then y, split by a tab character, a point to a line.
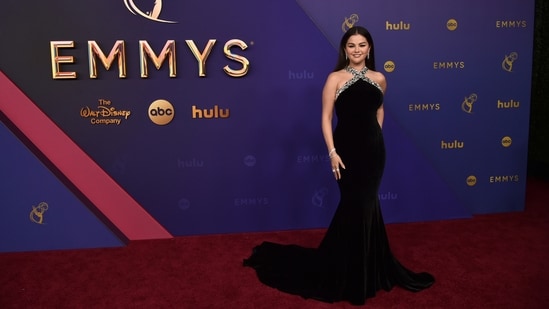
357	72
356	76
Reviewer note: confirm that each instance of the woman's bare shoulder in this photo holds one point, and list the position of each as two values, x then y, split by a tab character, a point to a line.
335	78
379	78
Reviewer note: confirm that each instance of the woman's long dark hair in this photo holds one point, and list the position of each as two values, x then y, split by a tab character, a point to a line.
342	60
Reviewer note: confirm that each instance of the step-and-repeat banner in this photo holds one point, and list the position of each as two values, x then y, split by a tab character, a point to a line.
145	119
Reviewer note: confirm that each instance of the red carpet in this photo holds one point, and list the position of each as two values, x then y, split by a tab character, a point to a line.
490	261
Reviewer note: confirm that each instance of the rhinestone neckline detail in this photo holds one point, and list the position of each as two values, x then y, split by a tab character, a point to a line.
356	76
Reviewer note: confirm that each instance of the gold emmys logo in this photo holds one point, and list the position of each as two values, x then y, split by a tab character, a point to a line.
161	112
349	22
37	213
105	114
506	141
153	14
471	181
467	105
146	54
508	61
389	66
451	24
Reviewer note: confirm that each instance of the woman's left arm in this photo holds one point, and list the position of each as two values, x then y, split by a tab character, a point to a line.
380	115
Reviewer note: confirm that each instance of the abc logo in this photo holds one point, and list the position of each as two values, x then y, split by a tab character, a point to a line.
506	141
471	181
452	24
161	112
389	66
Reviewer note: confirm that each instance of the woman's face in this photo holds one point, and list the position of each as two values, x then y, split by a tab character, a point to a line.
357	48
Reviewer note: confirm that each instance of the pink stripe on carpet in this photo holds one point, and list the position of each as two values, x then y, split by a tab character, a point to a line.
109	198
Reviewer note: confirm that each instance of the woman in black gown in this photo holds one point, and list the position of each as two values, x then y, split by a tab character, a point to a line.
353	260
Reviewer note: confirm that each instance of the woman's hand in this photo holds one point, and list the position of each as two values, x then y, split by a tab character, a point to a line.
337	164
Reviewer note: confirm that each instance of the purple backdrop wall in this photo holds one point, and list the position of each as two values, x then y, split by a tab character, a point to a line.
246	153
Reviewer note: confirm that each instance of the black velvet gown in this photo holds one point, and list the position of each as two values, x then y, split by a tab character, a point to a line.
353	260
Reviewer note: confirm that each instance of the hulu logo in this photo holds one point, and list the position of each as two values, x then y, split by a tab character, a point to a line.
451	145
509	104
210	113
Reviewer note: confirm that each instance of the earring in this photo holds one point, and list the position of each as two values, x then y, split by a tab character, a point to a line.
368	56
345	56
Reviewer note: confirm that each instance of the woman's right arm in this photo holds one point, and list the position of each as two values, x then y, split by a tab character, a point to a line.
328	102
